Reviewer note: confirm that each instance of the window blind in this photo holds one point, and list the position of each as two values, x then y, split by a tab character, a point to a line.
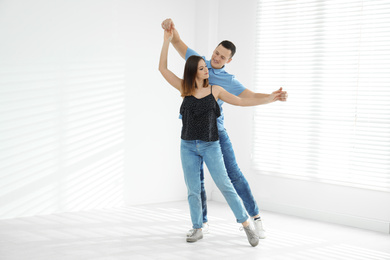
333	58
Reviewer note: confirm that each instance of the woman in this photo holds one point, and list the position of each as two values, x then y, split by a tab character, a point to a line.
199	136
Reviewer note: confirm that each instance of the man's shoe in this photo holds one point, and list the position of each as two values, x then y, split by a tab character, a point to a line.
259	228
196	234
205	228
251	235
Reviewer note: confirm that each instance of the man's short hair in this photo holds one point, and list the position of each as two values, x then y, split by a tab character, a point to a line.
230	46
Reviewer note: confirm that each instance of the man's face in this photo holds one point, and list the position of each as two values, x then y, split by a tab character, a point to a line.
220	57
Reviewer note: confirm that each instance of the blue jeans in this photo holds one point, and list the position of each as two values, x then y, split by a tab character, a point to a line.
237	178
193	153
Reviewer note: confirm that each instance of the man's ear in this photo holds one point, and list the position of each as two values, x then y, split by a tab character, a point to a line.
229	60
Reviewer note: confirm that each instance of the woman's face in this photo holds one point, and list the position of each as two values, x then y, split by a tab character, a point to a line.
203	71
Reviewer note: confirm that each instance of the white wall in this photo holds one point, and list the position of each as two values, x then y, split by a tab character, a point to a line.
87	121
348	206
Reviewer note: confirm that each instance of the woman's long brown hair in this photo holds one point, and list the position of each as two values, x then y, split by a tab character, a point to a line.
190	69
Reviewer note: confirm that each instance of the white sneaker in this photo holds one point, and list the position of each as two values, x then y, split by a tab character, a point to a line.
259	228
205	230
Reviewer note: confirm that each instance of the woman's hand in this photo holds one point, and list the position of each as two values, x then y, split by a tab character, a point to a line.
168	35
168	24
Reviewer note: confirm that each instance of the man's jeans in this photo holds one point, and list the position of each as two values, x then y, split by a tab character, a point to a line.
193	153
237	178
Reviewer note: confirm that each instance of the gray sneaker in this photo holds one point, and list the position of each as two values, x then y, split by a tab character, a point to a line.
251	235
205	229
195	236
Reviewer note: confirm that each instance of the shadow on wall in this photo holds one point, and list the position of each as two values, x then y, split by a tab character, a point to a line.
62	137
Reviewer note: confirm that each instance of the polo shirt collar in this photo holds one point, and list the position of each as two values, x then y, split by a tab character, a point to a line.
216	71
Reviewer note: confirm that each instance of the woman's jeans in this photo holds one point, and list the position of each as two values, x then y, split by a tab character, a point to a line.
237	178
193	153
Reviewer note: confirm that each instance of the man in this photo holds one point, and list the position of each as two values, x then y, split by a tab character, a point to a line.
221	56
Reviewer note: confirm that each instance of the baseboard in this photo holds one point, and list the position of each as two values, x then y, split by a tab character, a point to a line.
329	217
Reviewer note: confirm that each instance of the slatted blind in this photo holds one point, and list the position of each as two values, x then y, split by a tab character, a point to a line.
333	58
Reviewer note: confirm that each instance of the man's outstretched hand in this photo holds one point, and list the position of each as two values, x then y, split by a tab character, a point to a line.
279	95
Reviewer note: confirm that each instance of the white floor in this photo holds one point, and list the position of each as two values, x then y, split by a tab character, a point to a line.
158	232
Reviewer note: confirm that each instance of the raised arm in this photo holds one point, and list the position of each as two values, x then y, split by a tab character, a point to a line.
244	101
179	45
163	65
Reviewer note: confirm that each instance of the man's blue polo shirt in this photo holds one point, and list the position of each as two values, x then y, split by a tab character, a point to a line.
221	78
